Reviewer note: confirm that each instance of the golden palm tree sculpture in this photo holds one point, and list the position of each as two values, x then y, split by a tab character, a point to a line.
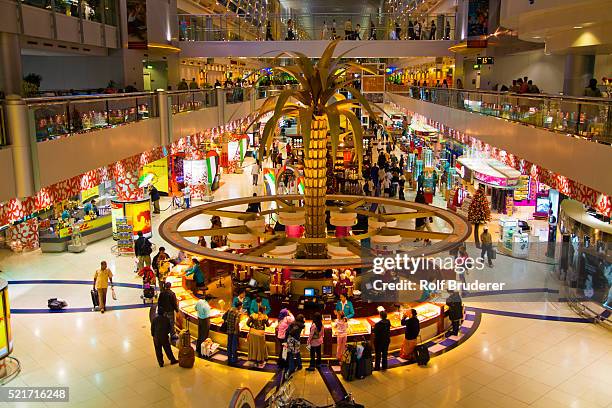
318	107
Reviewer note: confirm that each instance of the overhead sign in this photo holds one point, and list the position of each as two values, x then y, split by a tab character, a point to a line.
484	60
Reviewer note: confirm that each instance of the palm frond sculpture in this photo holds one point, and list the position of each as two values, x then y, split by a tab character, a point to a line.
318	107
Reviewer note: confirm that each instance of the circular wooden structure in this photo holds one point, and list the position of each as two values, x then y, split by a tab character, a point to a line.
170	230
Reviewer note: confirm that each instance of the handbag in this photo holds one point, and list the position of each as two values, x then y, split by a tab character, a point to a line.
113	294
285	351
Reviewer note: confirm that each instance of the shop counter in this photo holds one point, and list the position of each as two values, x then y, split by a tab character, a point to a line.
91	231
433	318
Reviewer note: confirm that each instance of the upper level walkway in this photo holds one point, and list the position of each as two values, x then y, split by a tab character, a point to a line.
366	36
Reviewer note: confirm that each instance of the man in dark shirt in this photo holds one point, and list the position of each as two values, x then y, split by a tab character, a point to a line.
167	305
143	249
382	337
154	194
455	311
413	327
232	321
160	330
254	207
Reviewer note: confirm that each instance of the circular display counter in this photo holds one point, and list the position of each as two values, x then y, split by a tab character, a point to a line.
432	316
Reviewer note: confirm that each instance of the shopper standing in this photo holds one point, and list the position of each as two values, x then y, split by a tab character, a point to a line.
100	283
372	31
257	337
341	334
160	331
592	89
232	322
167	304
432	32
183	86
154	194
193	84
382	338
455	311
412	330
255	172
294	344
143	249
285	319
348	29
203	309
161	265
269	31
315	341
487	246
187	196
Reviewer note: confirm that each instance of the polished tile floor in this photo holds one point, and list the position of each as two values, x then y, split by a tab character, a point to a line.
108	360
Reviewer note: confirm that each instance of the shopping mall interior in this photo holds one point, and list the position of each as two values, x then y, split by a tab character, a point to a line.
306	203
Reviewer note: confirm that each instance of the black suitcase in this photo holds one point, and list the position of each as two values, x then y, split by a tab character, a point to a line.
94	299
421	353
364	367
348	370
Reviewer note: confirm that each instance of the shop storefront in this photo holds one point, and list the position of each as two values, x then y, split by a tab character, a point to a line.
75	222
586	260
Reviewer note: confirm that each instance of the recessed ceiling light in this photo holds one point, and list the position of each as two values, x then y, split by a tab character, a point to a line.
577	27
536	37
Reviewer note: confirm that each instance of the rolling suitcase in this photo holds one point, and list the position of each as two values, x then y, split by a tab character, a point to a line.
348	366
186	355
364	364
95	299
421	353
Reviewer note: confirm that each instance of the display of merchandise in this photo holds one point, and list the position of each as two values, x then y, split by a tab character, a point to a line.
125	242
428	158
513	241
465	205
523	189
509	205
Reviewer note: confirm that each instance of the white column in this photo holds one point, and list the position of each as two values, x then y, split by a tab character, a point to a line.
22	145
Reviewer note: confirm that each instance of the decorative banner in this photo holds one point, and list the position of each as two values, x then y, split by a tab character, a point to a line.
137	24
137	213
478	18
212	163
89	193
159	171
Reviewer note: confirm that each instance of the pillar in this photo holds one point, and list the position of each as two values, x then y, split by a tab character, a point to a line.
11	71
165	118
18	130
221	106
579	69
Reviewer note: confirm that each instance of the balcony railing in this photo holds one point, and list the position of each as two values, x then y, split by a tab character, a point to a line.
590	118
185	101
57	117
62	116
230	27
101	11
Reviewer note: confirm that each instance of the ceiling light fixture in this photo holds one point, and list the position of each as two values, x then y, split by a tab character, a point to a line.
577	27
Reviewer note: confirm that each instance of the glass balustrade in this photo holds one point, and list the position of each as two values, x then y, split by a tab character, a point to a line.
590	118
101	11
61	116
244	27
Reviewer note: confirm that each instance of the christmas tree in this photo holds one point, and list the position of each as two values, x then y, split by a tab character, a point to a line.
479	211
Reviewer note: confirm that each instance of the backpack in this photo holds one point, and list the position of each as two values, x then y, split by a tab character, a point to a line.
147	247
56	304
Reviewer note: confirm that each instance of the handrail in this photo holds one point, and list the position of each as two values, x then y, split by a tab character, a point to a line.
515	94
38	100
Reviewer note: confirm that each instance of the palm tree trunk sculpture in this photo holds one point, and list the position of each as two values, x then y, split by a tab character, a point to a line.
319	106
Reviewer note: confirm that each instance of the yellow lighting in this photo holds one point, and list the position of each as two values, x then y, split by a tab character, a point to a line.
164	47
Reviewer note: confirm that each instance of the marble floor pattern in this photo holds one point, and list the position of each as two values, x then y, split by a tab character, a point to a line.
108	360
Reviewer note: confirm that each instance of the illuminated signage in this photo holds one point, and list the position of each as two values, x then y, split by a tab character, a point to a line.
484	60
